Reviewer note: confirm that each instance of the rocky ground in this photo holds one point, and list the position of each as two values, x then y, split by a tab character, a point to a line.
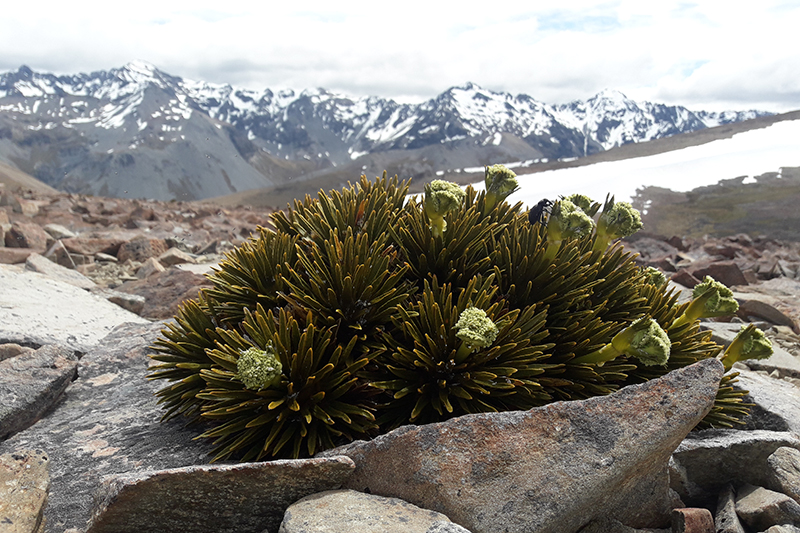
86	282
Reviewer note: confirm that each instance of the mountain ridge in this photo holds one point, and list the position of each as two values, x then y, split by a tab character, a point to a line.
138	131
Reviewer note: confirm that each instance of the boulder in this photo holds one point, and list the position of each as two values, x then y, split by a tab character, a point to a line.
241	498
165	291
93	245
148	268
24	483
26	235
553	468
174	256
783	529
784	472
726	272
130	302
30	383
761	508
763	306
610	525
108	423
783	294
13	256
42	265
37	310
356	512
141	249
706	461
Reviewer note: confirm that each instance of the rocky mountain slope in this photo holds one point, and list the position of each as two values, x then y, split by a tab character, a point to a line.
136	131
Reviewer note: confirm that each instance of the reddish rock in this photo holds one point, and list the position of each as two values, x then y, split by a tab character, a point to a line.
726	272
141	249
13	256
92	245
692	520
26	235
148	268
726	250
678	242
174	256
164	291
682	277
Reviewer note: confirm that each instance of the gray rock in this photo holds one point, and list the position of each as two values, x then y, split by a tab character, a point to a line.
42	265
37	310
725	519
130	302
784	472
149	267
777	403
446	527
761	508
31	383
783	529
174	256
706	461
242	498
553	468
609	525
108	423
356	512
24	482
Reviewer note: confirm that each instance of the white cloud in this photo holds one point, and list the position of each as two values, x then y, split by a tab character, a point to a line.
710	54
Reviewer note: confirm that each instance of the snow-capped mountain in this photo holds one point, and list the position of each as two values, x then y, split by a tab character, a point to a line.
137	131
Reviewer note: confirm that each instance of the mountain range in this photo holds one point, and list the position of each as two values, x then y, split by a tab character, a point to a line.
137	131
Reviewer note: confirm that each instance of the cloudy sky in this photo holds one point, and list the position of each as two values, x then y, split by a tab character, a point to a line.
710	55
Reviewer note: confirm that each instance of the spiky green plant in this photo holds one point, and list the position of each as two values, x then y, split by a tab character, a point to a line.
365	310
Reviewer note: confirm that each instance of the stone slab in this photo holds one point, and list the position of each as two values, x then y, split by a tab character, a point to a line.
37	310
242	498
108	422
708	460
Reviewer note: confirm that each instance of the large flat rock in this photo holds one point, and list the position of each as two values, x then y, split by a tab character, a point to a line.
37	310
107	423
550	469
243	498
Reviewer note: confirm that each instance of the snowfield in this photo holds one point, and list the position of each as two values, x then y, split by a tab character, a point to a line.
750	154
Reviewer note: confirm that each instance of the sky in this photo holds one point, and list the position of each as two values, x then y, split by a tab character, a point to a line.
709	54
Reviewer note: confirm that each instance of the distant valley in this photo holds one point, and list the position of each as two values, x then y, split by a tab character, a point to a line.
138	132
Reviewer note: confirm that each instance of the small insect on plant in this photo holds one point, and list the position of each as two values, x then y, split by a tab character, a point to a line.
539	212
